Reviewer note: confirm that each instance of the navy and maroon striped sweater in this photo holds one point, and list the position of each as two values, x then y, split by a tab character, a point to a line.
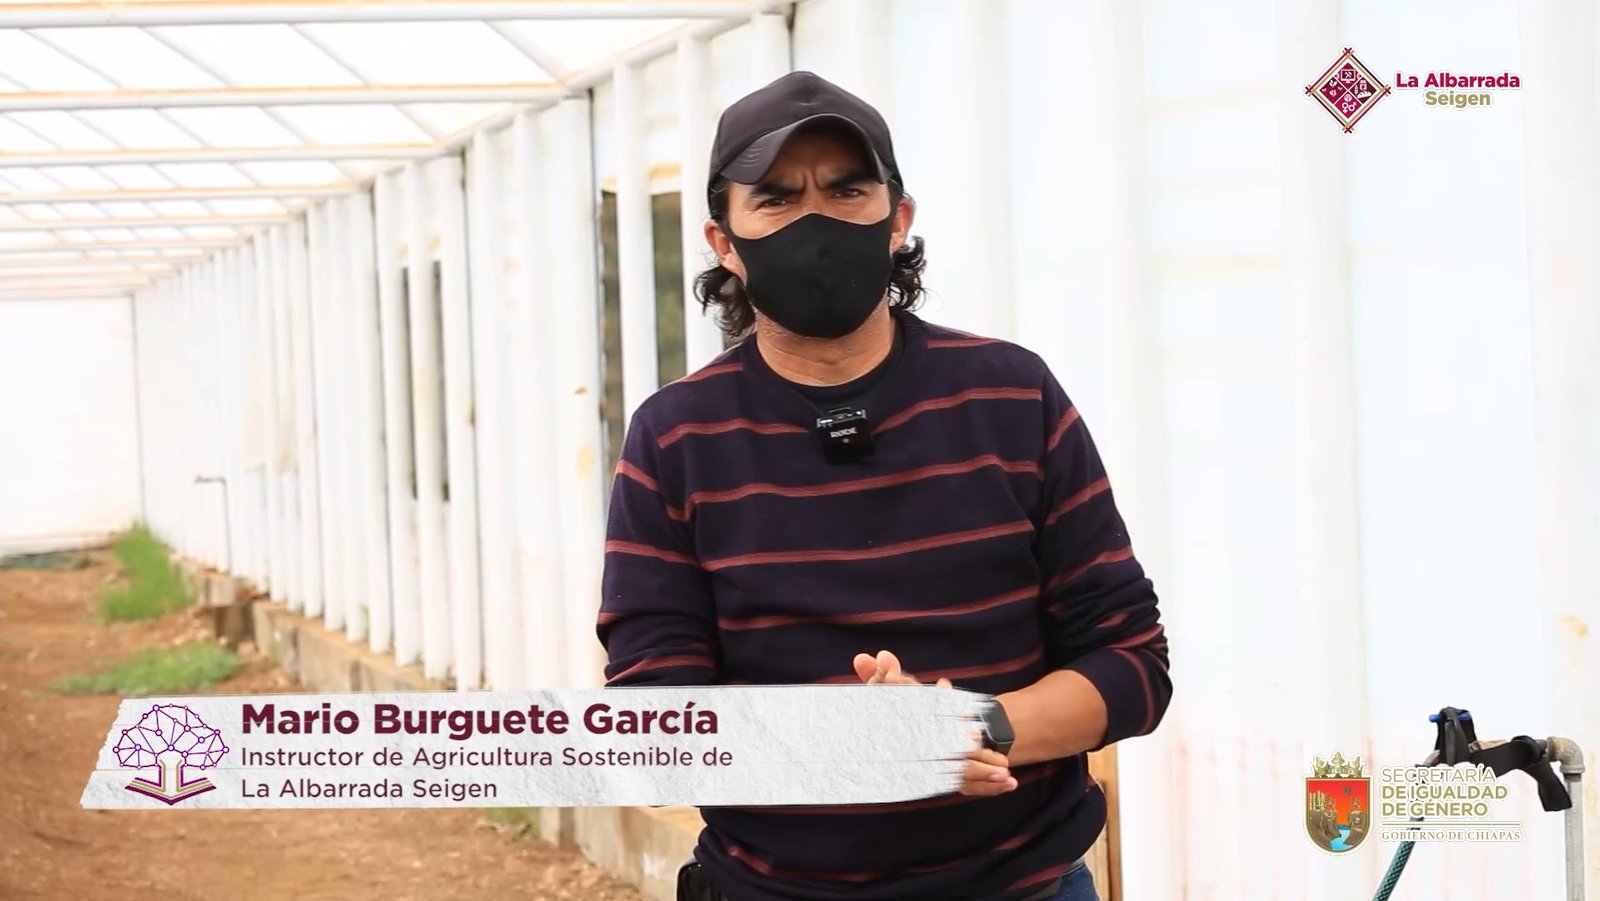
979	542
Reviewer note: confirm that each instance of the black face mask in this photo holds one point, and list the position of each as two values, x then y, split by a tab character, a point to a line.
818	276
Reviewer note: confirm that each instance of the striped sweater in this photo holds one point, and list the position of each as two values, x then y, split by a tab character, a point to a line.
979	542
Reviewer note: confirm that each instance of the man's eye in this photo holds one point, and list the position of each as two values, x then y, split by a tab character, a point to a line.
851	192
770	202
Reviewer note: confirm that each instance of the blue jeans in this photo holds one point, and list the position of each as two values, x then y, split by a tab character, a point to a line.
1078	885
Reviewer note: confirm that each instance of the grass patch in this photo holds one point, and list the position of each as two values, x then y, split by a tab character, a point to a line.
154	585
159	671
520	822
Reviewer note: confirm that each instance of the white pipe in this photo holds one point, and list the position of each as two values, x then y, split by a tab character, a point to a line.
266	192
217	155
466	600
400	449
702	338
317	95
298	295
154	13
373	504
532	258
428	415
580	441
486	239
636	265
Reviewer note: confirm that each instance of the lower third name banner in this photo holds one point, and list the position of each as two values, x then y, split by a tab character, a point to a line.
724	746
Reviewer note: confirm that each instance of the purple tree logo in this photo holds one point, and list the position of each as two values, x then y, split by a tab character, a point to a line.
170	738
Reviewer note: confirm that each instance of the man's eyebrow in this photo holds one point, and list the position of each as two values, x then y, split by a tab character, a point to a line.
776	188
847	179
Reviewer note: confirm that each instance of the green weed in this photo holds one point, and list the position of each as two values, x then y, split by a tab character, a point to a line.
159	671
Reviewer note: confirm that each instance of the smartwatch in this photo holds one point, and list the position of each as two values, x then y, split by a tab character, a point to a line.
997	733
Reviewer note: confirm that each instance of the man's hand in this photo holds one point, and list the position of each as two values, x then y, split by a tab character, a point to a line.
988	773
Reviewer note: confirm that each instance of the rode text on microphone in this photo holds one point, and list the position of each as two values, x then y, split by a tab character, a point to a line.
846	434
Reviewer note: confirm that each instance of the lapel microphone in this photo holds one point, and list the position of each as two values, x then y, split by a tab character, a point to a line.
846	434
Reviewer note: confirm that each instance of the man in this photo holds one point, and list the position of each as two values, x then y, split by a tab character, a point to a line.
853	494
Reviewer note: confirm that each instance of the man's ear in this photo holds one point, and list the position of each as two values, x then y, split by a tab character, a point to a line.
904	213
727	256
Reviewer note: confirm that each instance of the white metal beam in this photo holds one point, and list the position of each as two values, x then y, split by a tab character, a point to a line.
61	225
74	259
152	264
218	155
68	294
115	246
307	96
183	12
115	271
147	195
10	285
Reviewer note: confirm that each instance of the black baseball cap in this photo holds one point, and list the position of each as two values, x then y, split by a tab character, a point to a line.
754	129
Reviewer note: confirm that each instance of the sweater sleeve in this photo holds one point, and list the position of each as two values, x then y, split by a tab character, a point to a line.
657	621
1099	609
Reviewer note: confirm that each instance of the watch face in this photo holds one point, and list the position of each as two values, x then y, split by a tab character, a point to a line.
997	725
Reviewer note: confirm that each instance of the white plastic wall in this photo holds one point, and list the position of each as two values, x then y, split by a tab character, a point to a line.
1348	387
69	450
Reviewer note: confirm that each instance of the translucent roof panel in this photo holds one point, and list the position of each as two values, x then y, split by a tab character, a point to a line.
259	55
409	53
130	116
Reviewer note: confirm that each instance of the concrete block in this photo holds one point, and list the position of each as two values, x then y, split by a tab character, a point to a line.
641	845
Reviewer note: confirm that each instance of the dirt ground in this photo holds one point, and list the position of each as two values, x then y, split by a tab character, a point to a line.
50	848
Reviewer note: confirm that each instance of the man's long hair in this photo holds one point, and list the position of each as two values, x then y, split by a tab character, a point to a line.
719	287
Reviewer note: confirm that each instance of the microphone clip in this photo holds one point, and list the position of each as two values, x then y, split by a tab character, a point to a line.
846	434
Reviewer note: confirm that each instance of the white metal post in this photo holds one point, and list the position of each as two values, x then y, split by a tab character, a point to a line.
702	338
636	266
770	51
1562	121
352	557
310	525
390	207
193	448
532	258
341	311
982	145
325	350
427	387
1133	434
578	473
491	271
372	511
230	369
286	393
274	570
343	303
466	622
1321	360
